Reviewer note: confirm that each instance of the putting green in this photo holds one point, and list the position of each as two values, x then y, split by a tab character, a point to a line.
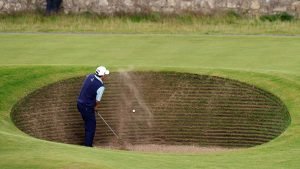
270	63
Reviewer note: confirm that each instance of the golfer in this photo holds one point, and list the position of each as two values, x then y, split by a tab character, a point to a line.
89	97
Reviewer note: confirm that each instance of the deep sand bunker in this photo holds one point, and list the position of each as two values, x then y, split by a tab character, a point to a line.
171	109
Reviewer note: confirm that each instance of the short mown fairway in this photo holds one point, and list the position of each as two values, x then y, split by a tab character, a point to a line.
31	61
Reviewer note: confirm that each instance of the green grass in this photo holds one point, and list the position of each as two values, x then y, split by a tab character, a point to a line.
237	52
31	61
229	23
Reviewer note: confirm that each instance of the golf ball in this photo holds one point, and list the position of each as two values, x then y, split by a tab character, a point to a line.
133	110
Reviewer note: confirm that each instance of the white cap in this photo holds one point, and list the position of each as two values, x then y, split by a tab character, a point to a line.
101	71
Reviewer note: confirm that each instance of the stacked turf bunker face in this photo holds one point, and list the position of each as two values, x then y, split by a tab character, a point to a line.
170	109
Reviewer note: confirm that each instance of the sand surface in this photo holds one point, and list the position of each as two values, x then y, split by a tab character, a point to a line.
154	148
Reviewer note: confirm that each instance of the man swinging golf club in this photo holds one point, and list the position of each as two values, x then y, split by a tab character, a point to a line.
89	97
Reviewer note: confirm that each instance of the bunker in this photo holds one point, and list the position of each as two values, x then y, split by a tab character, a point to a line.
169	109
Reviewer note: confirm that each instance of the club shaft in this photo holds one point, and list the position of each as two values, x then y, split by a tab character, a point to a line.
107	125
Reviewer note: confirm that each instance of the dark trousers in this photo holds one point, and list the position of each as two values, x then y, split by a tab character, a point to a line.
88	116
53	5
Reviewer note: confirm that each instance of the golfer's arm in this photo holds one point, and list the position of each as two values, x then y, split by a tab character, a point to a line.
100	92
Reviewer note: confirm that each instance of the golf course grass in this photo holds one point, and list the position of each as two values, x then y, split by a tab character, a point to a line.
30	61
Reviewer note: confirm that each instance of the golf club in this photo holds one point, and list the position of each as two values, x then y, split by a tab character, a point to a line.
108	125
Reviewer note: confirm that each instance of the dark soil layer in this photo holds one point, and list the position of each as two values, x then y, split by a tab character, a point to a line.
170	109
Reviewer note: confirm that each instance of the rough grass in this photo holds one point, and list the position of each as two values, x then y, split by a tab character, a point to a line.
255	60
228	23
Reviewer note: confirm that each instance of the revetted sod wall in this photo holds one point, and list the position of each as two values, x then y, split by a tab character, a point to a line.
170	109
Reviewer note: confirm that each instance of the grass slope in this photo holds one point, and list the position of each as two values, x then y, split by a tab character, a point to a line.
237	52
268	62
